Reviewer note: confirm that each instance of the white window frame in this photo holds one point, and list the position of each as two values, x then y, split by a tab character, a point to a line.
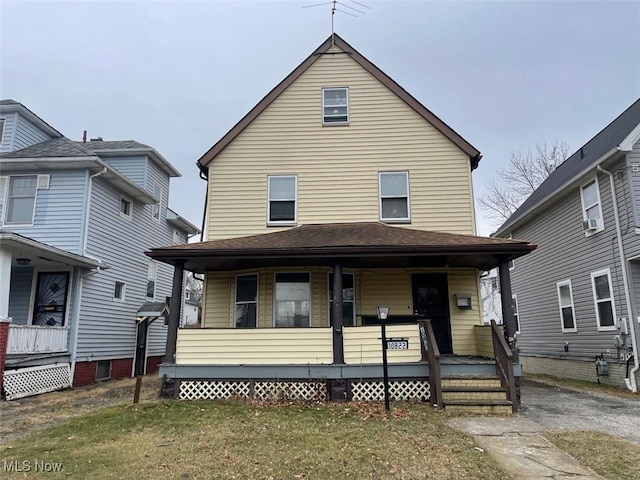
566	283
7	200
600	273
295	200
330	287
155	207
275	305
236	302
123	291
600	228
516	312
3	122
408	197
122	214
324	117
154	264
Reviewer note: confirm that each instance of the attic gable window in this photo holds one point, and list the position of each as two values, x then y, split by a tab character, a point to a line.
282	195
394	197
335	106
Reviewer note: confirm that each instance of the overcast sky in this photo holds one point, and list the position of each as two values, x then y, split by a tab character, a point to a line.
178	75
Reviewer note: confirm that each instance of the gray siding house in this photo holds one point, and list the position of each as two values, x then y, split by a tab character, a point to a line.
576	297
75	219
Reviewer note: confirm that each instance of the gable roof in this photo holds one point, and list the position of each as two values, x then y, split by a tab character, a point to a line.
466	147
129	147
606	143
8	105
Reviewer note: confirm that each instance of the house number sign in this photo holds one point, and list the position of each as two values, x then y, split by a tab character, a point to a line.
397	344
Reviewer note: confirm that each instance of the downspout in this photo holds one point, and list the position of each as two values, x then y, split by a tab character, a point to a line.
88	210
76	315
631	381
204	176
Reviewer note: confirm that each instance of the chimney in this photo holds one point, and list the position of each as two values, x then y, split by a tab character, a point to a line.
84	136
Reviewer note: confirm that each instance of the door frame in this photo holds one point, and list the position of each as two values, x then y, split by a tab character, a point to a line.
34	284
448	302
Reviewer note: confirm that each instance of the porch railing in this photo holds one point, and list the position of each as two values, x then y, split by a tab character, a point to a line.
30	339
504	364
430	349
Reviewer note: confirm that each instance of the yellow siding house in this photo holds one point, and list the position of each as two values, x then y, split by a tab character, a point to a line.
337	193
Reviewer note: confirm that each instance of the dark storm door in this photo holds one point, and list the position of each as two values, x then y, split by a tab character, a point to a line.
50	304
431	301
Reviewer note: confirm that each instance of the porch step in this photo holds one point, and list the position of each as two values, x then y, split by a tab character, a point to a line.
482	407
478	381
473	393
477	394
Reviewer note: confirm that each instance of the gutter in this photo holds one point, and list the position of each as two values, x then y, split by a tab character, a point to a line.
631	381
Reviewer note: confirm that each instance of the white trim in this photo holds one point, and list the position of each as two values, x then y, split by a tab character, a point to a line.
328	124
516	312
627	144
560	306
157	205
235	296
406	219
282	223
123	291
599	273
122	214
600	218
34	283
155	280
330	287
3	121
273	319
5	203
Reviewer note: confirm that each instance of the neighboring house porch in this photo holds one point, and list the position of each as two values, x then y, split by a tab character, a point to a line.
299	307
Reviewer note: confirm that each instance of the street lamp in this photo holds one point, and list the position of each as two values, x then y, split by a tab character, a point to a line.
383	313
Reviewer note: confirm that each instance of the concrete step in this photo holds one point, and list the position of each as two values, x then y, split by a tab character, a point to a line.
472	393
477	381
480	407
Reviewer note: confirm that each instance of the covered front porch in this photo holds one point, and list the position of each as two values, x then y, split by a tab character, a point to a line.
300	306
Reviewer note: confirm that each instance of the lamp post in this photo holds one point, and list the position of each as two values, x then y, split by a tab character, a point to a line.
383	313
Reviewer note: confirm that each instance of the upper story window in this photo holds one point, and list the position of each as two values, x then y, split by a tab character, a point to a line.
246	312
21	200
591	208
155	208
151	280
603	299
394	197
292	305
126	207
335	106
118	291
282	194
565	299
1	130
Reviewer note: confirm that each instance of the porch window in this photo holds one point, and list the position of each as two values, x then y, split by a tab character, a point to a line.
151	280
246	301
335	106
603	299
292	300
21	199
591	210
516	316
565	299
394	196
282	193
348	300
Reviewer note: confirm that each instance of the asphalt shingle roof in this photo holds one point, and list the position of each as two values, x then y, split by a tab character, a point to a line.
113	145
57	147
610	137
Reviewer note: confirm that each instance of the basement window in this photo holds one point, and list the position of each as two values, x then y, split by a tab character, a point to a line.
103	370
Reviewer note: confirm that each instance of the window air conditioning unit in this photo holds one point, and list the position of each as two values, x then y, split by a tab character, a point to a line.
590	224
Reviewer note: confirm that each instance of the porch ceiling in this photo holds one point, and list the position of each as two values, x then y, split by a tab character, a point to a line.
357	245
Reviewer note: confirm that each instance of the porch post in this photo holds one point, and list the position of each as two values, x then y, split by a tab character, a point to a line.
5	282
338	321
174	311
508	320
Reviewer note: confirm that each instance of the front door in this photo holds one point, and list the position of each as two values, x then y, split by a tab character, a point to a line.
50	304
431	301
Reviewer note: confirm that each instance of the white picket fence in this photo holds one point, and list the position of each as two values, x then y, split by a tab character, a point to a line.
27	339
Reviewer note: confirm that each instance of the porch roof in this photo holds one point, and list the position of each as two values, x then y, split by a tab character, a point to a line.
357	245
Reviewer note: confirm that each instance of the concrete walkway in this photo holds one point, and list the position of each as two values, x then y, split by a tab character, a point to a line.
515	442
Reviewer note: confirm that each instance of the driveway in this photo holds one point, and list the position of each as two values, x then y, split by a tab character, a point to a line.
562	409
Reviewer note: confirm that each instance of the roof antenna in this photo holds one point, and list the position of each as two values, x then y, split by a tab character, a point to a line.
334	8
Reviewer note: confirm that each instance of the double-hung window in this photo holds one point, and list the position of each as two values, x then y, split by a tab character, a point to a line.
21	200
394	197
603	299
292	305
335	106
246	312
567	312
348	300
591	207
151	280
155	208
282	194
126	207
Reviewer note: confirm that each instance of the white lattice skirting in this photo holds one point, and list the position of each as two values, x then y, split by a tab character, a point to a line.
25	382
398	390
266	390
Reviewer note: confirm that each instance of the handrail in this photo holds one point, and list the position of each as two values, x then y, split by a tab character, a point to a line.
504	364
432	352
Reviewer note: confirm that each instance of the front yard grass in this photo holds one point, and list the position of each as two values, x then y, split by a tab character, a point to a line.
612	457
193	440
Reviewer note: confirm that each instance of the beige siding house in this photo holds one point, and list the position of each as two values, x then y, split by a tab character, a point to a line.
337	193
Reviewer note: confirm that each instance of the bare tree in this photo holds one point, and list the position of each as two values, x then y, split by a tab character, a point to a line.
194	285
525	173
